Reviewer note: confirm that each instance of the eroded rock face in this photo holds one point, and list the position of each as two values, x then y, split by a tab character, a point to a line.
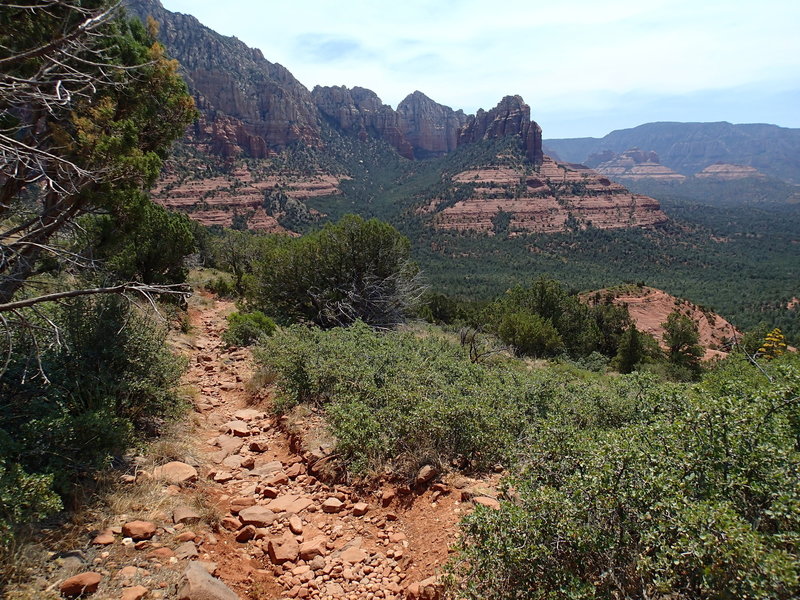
431	128
511	117
361	113
248	104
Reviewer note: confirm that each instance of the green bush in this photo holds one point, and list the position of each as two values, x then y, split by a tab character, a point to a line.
348	271
67	409
244	329
696	498
401	400
391	398
529	334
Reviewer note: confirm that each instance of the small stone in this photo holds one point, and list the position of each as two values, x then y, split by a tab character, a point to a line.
487	501
259	446
260	516
240	503
332	505
134	593
80	585
184	514
360	509
283	550
199	584
230	523
106	538
295	470
139	530
246	534
162	553
176	472
186	536
290	503
424	475
388	496
296	525
353	555
234	461
313	547
237	428
248	414
186	550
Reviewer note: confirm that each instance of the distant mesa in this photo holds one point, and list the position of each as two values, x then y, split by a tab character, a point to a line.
634	165
556	198
689	148
649	308
727	172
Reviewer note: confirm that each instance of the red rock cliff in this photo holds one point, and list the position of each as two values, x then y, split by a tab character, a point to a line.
511	117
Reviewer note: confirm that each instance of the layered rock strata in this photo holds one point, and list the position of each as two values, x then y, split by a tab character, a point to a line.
553	198
635	165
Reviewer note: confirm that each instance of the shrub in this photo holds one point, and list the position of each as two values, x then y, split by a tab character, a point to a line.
67	409
393	398
244	329
400	400
353	270
697	498
530	334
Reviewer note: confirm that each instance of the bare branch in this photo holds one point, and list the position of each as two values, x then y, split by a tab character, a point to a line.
140	288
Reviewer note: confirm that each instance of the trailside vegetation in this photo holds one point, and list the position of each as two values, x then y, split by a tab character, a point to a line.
89	108
695	497
353	270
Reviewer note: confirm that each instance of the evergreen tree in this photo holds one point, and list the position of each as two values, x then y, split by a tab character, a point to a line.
631	350
681	337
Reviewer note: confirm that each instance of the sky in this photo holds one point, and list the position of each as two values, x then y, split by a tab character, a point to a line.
586	67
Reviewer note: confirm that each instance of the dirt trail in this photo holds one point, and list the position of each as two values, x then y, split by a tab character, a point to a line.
283	532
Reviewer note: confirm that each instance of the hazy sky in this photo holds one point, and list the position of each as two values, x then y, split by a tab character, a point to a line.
586	67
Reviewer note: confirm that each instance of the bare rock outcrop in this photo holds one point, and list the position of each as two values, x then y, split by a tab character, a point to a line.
361	113
242	96
650	307
510	117
431	128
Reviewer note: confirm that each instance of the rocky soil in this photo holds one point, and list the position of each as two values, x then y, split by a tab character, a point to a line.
237	513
